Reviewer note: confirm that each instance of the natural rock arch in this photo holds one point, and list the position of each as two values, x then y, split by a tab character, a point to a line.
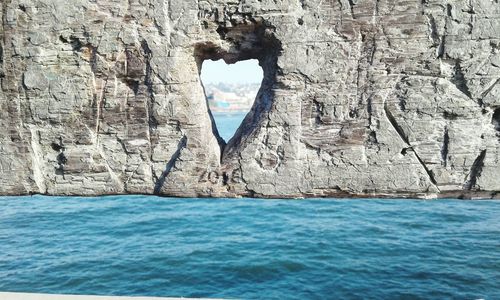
372	98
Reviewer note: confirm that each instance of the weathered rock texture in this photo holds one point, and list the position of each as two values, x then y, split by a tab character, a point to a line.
359	98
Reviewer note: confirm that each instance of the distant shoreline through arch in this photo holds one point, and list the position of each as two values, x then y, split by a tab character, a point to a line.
230	90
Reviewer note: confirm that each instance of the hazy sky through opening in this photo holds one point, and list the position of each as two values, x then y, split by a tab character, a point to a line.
247	71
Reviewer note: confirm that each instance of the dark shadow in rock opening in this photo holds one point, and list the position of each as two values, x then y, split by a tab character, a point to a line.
496	119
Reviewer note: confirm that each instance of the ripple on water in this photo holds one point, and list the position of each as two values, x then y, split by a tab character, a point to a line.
248	248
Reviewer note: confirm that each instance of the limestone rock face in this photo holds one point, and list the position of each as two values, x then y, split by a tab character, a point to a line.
359	98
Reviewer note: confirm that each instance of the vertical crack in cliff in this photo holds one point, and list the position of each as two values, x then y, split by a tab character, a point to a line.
444	147
171	163
495	121
150	102
351	8
98	97
475	172
438	41
434	33
367	49
376	11
148	81
1	58
37	161
99	107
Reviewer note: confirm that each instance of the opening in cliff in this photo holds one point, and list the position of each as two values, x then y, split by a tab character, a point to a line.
245	38
496	120
230	90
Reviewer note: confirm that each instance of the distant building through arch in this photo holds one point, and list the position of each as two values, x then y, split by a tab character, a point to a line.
230	90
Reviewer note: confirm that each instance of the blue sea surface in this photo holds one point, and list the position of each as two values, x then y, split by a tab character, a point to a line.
227	124
251	249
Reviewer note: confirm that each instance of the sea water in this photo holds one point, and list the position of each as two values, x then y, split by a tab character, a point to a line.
250	248
227	124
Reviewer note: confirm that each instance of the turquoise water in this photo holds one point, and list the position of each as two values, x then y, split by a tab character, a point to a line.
227	124
252	249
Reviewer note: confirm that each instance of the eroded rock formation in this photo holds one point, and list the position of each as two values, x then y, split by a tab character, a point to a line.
359	98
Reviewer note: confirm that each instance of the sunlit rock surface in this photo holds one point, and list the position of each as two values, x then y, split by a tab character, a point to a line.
359	98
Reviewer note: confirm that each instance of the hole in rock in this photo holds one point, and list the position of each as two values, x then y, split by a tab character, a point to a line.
230	90
496	119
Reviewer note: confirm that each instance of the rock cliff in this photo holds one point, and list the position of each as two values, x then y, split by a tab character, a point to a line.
359	98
